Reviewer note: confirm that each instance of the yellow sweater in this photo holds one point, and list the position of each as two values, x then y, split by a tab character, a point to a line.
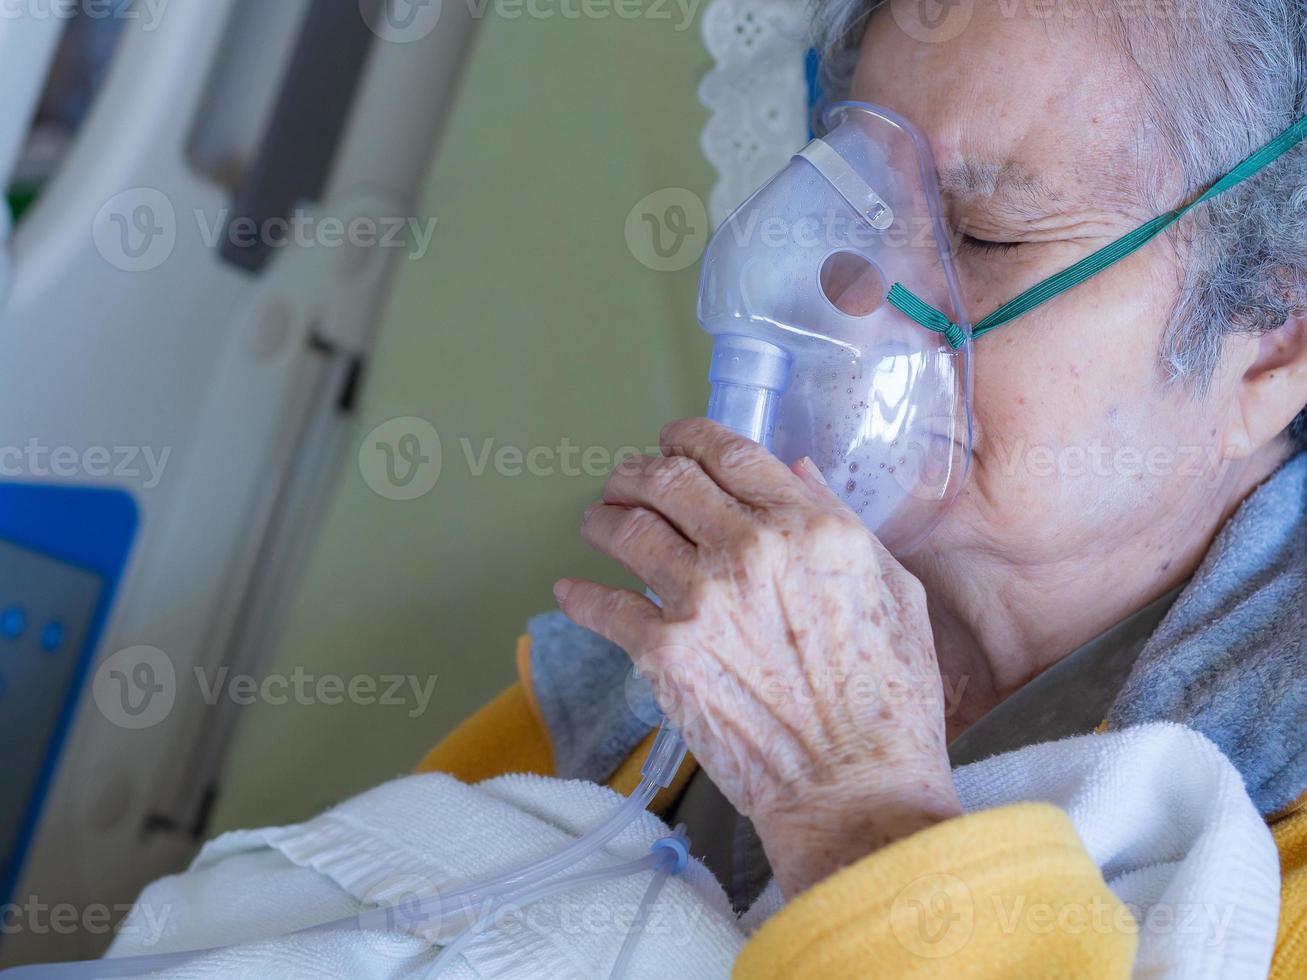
1008	892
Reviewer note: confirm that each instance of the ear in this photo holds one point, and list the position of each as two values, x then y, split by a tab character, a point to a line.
1272	390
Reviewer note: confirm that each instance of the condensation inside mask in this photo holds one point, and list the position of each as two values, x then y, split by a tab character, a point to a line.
880	403
888	456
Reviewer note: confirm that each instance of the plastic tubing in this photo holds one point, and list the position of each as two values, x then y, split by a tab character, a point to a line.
516	887
676	855
657	773
541	891
659	769
131	966
623	961
511	886
748	378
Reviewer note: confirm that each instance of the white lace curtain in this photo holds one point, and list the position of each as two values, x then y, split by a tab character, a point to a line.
756	93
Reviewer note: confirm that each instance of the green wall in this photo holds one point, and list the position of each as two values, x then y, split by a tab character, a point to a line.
528	322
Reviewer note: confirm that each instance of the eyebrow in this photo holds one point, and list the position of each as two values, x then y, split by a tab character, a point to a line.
1018	188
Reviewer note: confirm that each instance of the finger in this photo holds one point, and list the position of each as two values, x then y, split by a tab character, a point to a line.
738	465
677	488
644	542
620	615
813	478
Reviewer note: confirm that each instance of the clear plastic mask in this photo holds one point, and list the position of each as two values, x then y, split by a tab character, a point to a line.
810	359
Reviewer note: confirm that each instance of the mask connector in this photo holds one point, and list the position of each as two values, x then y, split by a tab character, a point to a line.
748	378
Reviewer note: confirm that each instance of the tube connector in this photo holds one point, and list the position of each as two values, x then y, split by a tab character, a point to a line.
676	846
748	378
665	756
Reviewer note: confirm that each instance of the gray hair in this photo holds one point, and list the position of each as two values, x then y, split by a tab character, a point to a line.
1229	75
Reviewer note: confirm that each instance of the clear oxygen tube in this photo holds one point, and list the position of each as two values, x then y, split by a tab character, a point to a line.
748	377
520	888
517	888
667	855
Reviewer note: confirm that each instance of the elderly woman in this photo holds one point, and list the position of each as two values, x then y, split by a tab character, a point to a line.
1157	574
1023	614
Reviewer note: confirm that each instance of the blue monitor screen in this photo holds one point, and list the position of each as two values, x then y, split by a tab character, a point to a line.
46	609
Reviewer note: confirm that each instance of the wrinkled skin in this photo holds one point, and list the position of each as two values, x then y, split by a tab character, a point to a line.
1045	156
792	650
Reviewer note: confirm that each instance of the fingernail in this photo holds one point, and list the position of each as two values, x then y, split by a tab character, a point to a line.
561	588
811	468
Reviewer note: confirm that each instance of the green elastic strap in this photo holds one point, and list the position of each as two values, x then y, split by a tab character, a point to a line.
915	308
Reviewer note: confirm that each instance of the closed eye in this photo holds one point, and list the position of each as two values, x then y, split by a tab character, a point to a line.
985	246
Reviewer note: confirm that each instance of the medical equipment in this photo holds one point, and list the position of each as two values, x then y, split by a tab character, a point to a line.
814	349
809	313
174	397
922	312
839	324
793	291
776	334
485	899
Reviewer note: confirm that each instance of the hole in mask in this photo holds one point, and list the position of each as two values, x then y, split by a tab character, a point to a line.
852	284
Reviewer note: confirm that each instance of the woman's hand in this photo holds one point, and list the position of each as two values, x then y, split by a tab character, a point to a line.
791	649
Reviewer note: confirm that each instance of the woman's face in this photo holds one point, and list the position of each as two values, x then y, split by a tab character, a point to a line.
1080	445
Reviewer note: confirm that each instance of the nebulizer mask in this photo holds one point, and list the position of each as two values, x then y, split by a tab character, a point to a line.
810	359
840	335
838	324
